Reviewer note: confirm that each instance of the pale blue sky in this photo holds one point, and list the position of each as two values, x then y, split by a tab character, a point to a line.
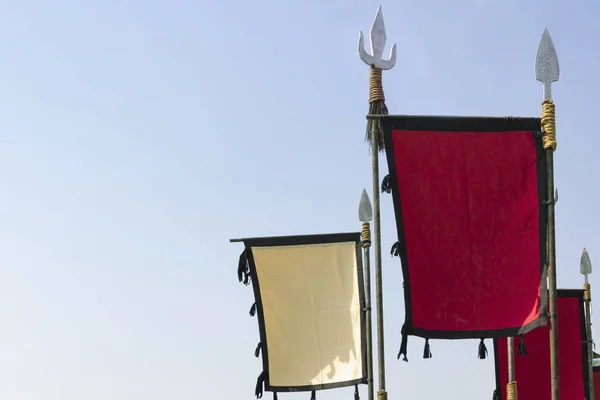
137	137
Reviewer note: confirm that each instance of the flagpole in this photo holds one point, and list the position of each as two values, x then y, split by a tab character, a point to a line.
511	386
365	215
585	267
547	71
375	137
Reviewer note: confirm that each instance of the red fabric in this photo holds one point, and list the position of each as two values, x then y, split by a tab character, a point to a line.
532	372
470	211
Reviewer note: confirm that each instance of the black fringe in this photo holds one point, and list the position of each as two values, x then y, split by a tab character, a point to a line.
258	348
496	395
244	268
313	395
427	350
376	108
386	184
356	394
482	353
274	395
258	392
252	310
521	349
395	251
403	346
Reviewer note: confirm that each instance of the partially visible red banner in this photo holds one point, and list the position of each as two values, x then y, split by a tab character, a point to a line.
596	383
532	371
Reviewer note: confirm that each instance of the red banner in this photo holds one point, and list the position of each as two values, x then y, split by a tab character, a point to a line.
468	197
532	371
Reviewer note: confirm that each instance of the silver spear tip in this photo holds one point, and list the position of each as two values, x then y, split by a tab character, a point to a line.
365	210
585	265
547	69
378	38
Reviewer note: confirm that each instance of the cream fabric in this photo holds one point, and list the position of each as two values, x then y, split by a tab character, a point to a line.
311	305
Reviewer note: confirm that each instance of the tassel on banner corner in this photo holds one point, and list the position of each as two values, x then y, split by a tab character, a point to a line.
521	349
482	350
427	350
244	269
258	391
403	345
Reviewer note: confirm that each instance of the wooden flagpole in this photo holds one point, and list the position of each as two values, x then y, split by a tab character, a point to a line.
585	267
547	71
375	137
365	215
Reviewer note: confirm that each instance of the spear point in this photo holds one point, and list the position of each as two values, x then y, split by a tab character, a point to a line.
547	69
585	265
365	210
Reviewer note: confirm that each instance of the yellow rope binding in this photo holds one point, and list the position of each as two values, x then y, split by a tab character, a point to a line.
587	293
365	235
549	125
381	395
511	390
375	86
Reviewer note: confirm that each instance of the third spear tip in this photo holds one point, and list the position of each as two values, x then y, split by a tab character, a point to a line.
585	265
365	210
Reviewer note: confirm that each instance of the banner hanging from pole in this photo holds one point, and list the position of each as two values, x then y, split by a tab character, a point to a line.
469	196
597	382
310	307
532	359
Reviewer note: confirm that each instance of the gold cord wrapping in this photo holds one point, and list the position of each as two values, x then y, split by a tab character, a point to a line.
587	293
375	86
511	390
365	235
549	125
381	395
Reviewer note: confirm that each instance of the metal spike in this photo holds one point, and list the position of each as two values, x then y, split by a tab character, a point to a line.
365	210
585	265
547	69
378	38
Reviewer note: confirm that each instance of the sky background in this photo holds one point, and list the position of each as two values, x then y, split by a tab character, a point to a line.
137	137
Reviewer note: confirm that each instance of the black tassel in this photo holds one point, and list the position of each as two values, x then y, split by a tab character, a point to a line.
253	310
274	395
482	353
426	350
244	268
496	395
376	107
521	349
257	351
258	392
403	346
395	249
386	184
356	394
313	395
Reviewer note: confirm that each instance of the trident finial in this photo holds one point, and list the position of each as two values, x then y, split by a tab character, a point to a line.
378	38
